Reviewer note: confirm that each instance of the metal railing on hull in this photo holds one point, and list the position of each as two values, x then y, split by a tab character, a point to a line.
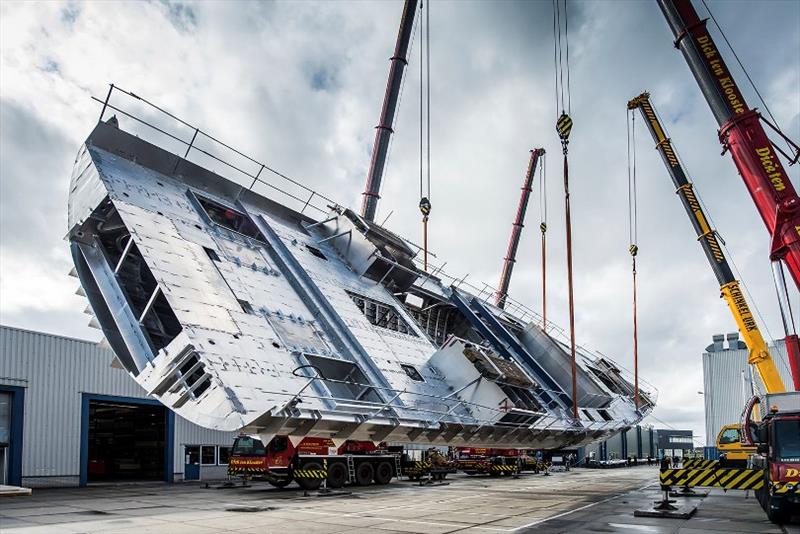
162	122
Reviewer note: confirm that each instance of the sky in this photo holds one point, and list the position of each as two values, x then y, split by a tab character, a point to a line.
299	86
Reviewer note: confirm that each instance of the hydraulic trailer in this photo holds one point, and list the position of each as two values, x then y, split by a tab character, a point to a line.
312	461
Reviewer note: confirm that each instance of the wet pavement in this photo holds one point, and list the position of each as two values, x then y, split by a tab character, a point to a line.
579	501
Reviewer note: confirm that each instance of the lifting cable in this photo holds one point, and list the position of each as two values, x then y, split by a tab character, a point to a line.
425	129
543	228
633	239
564	127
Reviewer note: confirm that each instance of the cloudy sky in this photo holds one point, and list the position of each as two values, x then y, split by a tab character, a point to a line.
300	84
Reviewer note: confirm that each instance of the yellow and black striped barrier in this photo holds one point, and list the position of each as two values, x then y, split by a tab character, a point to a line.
727	479
699	463
417	468
235	471
310	473
504	468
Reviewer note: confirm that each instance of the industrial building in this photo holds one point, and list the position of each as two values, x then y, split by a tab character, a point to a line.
728	381
68	417
642	441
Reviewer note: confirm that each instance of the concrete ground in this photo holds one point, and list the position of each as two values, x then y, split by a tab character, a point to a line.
578	501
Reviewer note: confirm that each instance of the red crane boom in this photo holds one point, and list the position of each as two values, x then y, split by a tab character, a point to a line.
516	229
754	155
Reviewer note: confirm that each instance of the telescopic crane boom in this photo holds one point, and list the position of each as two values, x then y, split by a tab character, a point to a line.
383	131
516	228
759	353
756	158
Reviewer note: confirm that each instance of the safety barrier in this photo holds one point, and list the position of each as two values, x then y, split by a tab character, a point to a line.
310	473
741	479
506	468
699	463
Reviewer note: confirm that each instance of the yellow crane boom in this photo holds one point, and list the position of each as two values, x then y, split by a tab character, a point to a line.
759	355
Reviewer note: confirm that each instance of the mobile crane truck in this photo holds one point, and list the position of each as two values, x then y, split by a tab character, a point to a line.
312	461
777	437
774	470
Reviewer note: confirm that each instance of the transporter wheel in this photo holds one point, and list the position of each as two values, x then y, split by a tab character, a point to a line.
310	483
280	482
364	474
383	473
337	475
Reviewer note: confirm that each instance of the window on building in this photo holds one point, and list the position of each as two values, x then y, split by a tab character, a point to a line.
224	455
680	439
192	454
208	455
412	372
381	315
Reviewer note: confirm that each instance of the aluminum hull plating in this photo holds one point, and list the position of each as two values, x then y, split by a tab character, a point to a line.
238	312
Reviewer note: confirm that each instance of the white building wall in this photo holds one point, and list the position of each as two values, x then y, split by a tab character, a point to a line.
55	371
726	380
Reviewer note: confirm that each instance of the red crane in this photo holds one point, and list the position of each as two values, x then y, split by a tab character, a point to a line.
383	131
755	156
516	229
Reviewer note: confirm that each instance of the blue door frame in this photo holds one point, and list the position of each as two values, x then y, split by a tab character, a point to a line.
14	452
169	435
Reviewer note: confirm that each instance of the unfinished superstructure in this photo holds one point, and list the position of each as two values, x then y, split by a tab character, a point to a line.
295	315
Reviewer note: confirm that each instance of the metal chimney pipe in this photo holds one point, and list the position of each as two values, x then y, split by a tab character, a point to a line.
383	131
516	229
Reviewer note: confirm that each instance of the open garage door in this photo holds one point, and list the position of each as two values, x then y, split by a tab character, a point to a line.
125	441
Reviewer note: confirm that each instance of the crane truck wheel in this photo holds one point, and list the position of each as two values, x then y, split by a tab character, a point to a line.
337	475
310	483
280	482
364	473
383	473
777	510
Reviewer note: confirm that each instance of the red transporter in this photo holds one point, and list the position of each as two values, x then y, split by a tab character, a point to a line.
312	461
481	461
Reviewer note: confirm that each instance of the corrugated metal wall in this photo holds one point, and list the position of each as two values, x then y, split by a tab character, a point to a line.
726	389
55	372
615	444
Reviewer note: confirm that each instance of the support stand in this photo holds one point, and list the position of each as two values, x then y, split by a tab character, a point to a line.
664	508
